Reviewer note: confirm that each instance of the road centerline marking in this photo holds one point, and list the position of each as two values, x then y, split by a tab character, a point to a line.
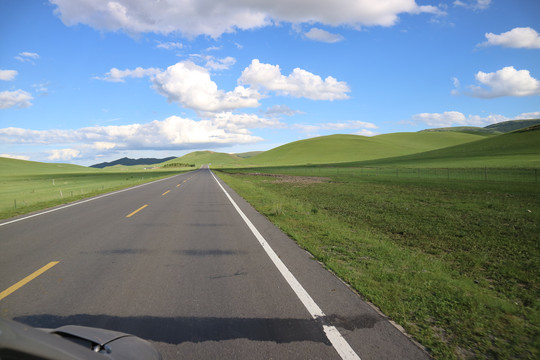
27	279
166	192
136	211
338	341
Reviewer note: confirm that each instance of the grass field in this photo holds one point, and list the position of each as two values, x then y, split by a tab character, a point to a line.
28	186
455	263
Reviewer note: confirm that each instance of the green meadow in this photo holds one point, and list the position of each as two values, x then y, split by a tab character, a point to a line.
30	186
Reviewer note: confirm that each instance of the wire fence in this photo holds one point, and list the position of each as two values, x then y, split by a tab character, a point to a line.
458	174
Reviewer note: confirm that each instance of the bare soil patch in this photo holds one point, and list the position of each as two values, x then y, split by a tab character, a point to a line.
301	180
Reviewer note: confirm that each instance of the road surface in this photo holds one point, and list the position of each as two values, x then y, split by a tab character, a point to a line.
186	264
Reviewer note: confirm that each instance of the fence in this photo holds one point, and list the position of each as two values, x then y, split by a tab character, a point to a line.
474	174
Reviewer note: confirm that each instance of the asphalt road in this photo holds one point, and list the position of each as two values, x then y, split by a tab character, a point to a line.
187	273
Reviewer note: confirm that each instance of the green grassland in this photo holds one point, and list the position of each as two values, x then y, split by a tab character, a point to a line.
28	186
343	148
455	263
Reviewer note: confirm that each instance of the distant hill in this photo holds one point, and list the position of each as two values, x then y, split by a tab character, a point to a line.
493	129
345	148
199	158
130	162
24	167
248	154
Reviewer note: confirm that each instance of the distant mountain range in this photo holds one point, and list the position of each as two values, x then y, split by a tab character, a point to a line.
129	162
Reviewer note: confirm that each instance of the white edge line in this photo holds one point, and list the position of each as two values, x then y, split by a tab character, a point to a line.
83	201
338	342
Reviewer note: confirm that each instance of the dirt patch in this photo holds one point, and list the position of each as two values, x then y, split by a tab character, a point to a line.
301	180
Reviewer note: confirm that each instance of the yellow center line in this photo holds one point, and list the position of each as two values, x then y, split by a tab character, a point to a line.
178	185
136	211
27	279
166	192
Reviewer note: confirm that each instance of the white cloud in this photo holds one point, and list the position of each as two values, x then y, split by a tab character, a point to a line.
8	75
456	118
190	86
17	98
173	133
361	126
520	37
27	57
17	157
214	17
278	110
317	34
115	75
473	4
300	83
170	45
505	82
63	154
528	115
220	64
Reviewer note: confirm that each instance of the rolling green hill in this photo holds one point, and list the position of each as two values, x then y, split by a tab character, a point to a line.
346	148
23	167
199	158
520	148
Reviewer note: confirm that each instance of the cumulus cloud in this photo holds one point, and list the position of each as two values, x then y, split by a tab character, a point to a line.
300	83
116	75
505	82
8	75
17	98
190	86
520	37
456	118
215	17
317	34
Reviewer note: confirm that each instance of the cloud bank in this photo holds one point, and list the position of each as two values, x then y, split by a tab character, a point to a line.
216	17
456	118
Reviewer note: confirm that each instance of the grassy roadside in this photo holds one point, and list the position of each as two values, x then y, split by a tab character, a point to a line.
455	263
21	194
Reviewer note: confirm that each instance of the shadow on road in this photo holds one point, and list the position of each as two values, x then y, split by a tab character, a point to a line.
191	329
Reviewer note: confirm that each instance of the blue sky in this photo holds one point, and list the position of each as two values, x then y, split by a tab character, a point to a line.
89	81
